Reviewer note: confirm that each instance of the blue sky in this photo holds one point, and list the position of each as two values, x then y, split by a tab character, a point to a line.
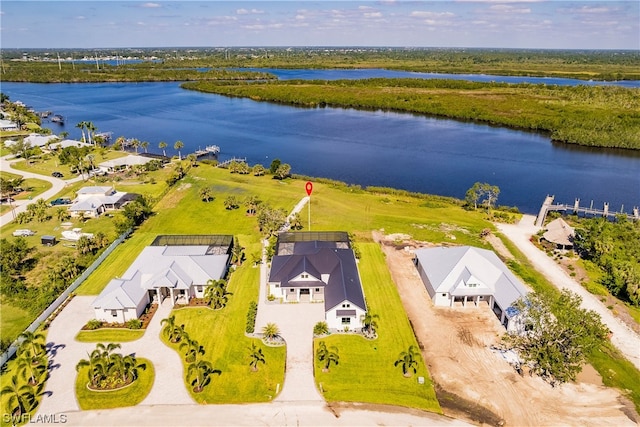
582	24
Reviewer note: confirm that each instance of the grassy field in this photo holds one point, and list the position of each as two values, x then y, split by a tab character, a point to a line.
110	335
221	332
32	188
129	396
365	372
14	320
47	164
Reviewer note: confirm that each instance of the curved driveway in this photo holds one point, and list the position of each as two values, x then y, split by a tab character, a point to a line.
625	339
57	185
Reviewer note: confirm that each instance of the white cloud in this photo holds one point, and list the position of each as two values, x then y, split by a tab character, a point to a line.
428	14
373	15
505	8
142	24
249	12
150	5
80	17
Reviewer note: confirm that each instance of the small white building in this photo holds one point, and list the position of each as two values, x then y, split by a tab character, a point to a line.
8	125
465	276
95	200
319	267
174	267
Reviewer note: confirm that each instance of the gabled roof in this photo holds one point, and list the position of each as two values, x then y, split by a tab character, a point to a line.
319	259
162	266
466	270
129	160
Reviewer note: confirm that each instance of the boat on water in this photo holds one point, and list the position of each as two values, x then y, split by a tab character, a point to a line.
75	234
57	118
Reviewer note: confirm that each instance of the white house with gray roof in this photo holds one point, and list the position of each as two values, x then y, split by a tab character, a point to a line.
174	267
312	267
468	276
93	201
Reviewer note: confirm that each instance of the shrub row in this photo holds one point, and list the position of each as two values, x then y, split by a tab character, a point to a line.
251	317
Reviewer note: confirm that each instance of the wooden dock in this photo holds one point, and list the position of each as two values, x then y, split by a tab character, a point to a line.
209	149
576	209
234	159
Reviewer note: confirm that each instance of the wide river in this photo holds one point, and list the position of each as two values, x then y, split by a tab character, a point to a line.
404	151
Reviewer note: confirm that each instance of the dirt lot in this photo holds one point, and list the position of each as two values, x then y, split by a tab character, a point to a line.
476	384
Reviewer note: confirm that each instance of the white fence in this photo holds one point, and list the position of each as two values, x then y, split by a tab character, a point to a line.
63	297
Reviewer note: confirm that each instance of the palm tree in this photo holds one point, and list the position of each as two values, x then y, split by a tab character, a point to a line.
81	126
91	128
236	252
162	145
321	328
255	356
178	146
200	374
271	332
145	145
206	194
407	359
21	397
172	331
327	355
252	203
369	324
131	367
216	293
136	143
295	222
192	349
259	170
32	344
193	159
231	202
32	373
120	142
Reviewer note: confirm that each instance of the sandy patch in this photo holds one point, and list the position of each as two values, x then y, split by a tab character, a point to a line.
477	384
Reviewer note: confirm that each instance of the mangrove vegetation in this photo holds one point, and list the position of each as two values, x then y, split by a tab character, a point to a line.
598	116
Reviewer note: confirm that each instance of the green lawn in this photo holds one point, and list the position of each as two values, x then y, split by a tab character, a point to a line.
365	372
221	332
47	164
110	335
14	321
128	396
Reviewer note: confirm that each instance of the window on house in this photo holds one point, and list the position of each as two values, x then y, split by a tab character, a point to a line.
304	276
444	295
348	305
199	288
292	290
346	320
114	313
317	290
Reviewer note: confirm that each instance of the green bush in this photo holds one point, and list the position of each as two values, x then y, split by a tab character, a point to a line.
251	317
93	324
134	324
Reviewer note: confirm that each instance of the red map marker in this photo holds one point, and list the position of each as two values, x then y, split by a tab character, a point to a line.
309	188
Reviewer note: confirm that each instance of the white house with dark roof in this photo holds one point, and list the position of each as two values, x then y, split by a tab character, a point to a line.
174	267
310	267
125	162
468	276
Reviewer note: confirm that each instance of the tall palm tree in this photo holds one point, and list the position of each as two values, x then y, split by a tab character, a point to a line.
120	142
162	145
173	332
131	368
369	324
32	373
407	359
21	396
255	356
178	146
32	343
252	203
136	143
145	145
81	126
91	129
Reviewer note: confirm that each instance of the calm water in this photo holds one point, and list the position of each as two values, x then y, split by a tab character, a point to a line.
322	74
369	148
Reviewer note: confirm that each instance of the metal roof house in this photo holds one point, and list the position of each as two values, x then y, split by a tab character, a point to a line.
174	267
319	267
469	276
95	200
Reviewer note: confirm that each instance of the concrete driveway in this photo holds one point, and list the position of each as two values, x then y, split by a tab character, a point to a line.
57	185
66	352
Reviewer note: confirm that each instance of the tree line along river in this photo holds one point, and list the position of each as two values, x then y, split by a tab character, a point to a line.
376	148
